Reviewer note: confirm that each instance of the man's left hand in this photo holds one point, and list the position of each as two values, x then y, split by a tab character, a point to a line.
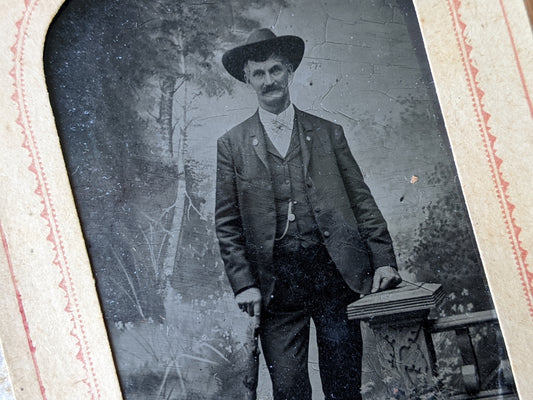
385	278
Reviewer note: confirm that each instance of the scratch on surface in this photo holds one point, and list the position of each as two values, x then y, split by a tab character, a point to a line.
277	18
212	117
386	94
326	24
323	97
343	21
324	41
362	46
240	109
323	7
345	115
319	58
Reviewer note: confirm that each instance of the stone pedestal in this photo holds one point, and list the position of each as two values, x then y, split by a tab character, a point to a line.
404	351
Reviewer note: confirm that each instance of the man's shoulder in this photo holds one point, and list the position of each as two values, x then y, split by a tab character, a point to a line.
241	129
314	120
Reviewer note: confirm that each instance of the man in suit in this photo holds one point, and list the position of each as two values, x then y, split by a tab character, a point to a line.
299	231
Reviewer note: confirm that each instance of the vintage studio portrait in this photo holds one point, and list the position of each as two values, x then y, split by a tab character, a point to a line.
270	202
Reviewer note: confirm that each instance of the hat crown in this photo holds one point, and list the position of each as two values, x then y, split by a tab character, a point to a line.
260	35
263	42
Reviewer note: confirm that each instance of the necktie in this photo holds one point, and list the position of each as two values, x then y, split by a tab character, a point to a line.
281	136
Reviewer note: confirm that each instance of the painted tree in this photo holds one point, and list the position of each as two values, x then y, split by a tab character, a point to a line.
174	50
168	53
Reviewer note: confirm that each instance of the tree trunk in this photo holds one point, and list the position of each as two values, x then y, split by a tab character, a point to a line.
177	153
177	211
167	84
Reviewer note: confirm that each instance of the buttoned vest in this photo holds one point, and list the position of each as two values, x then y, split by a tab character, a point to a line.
288	184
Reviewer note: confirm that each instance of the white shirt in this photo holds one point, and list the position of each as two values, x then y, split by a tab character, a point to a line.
278	127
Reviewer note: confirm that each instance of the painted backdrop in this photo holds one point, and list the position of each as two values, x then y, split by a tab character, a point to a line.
140	98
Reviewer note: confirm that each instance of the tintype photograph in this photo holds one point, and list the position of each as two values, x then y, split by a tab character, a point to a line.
270	203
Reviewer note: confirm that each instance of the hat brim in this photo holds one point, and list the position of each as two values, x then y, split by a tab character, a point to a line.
291	47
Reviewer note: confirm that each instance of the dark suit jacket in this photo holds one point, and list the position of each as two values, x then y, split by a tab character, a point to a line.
353	229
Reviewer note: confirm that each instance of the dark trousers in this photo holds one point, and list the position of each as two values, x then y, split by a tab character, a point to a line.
309	286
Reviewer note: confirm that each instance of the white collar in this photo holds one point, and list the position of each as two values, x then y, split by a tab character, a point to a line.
286	117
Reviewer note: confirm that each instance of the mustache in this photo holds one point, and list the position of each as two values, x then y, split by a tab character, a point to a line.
270	88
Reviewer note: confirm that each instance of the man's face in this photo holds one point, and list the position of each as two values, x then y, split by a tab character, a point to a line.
270	80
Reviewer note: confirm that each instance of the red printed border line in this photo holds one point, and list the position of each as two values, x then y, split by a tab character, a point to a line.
48	214
489	139
22	312
518	63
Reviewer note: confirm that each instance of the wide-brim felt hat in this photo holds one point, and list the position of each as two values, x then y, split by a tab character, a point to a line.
260	44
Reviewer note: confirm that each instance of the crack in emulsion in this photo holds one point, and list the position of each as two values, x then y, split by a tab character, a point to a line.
330	89
278	17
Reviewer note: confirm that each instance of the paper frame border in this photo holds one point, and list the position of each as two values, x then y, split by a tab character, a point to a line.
83	310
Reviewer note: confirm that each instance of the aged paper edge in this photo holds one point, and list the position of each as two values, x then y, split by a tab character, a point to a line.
37	205
487	44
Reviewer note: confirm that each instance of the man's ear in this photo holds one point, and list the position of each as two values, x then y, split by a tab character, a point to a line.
245	73
291	74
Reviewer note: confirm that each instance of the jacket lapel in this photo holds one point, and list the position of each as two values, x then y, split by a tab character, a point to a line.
305	129
258	140
305	133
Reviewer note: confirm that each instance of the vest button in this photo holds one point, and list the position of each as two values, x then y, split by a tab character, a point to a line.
309	184
317	210
326	233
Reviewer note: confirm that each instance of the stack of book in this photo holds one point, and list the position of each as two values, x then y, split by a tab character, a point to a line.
405	298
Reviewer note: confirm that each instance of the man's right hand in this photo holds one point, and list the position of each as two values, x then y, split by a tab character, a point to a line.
250	301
